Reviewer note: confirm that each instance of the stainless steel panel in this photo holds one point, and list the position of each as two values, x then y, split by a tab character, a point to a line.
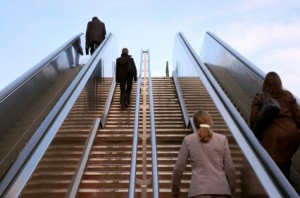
25	102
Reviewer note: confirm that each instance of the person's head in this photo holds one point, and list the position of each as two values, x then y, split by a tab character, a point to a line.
95	18
203	122
272	84
125	51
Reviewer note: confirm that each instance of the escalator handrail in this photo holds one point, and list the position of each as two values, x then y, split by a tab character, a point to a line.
15	85
238	56
153	135
131	190
73	187
50	125
108	102
181	99
281	182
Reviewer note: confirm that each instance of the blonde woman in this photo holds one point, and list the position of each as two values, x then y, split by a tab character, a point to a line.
213	172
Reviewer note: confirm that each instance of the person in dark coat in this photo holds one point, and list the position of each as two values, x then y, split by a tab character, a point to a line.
280	138
125	74
95	34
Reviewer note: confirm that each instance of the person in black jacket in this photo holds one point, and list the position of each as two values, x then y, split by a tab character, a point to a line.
125	74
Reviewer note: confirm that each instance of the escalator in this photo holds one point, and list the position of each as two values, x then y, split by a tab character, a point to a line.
232	81
53	85
26	103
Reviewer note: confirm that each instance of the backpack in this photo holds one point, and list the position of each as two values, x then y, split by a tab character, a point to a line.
269	110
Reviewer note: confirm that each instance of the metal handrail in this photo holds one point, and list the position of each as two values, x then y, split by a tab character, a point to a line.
38	116
73	188
15	85
108	102
272	169
181	99
192	124
237	55
135	134
45	133
153	135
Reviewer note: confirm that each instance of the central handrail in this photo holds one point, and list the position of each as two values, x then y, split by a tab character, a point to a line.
135	134
153	136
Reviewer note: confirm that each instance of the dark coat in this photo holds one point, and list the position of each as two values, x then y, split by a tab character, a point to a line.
95	31
281	138
123	64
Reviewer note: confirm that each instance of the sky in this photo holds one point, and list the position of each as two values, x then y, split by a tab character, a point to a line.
265	32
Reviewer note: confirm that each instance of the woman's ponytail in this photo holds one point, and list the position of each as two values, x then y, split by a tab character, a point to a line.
203	122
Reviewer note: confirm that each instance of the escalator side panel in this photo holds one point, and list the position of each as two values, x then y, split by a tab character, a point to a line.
234	73
27	101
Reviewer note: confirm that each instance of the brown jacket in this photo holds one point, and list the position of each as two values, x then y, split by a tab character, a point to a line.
95	31
281	138
213	171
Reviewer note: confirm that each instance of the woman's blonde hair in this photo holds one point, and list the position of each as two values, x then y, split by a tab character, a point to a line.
203	122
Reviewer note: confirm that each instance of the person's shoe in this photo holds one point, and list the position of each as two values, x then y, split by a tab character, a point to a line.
126	104
122	107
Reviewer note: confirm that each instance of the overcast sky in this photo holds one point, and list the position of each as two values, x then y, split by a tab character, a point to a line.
266	32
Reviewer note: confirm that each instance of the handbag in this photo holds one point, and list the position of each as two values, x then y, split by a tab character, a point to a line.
269	110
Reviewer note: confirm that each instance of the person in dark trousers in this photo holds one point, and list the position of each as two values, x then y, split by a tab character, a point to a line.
95	34
281	137
213	171
125	74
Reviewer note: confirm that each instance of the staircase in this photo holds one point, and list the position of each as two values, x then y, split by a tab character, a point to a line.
108	170
53	175
107	173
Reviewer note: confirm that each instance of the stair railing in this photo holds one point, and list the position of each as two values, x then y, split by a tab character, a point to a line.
184	111
153	135
133	180
135	135
73	188
108	102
